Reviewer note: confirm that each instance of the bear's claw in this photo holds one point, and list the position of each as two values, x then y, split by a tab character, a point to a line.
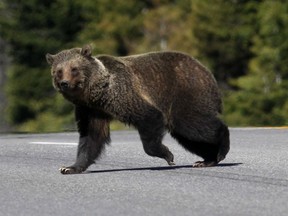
70	170
204	164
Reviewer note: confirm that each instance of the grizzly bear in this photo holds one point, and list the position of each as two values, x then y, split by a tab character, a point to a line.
154	92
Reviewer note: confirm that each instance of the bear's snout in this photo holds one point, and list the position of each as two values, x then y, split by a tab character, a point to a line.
64	84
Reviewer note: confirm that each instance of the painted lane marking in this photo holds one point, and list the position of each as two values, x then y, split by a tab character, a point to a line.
53	143
258	128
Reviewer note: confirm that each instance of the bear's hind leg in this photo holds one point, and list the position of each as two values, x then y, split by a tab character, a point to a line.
223	147
224	142
208	138
205	150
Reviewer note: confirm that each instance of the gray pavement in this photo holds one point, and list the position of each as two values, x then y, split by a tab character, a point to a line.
252	180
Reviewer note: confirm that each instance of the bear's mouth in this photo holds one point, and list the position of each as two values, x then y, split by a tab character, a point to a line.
68	87
79	85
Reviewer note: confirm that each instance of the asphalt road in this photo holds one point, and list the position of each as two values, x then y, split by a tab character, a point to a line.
252	180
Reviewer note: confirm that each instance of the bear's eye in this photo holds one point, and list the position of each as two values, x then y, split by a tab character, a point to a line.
59	73
74	71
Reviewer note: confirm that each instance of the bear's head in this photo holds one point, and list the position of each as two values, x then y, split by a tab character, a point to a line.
70	69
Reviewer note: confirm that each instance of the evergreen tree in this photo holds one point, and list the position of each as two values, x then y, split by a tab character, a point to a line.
243	43
33	28
262	99
166	26
222	32
130	27
113	27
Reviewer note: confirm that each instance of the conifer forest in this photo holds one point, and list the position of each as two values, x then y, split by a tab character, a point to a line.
242	42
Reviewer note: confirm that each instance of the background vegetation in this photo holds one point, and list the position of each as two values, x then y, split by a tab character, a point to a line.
244	43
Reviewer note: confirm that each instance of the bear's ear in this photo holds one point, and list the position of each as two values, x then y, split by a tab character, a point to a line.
86	51
50	58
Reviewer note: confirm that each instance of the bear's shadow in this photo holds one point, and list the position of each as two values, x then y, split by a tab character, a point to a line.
158	168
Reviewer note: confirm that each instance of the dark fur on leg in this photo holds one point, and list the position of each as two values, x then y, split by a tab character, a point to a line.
152	130
205	150
211	152
93	128
224	142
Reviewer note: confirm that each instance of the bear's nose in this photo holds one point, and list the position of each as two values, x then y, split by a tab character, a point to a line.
64	84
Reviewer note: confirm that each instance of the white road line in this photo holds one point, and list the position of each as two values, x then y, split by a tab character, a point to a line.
53	143
258	128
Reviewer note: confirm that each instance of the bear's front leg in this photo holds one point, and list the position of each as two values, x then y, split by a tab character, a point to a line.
93	128
83	155
152	129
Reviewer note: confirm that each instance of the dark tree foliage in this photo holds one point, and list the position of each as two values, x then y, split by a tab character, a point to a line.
222	36
262	95
32	28
243	43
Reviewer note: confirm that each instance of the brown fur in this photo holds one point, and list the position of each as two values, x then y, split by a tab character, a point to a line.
154	92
